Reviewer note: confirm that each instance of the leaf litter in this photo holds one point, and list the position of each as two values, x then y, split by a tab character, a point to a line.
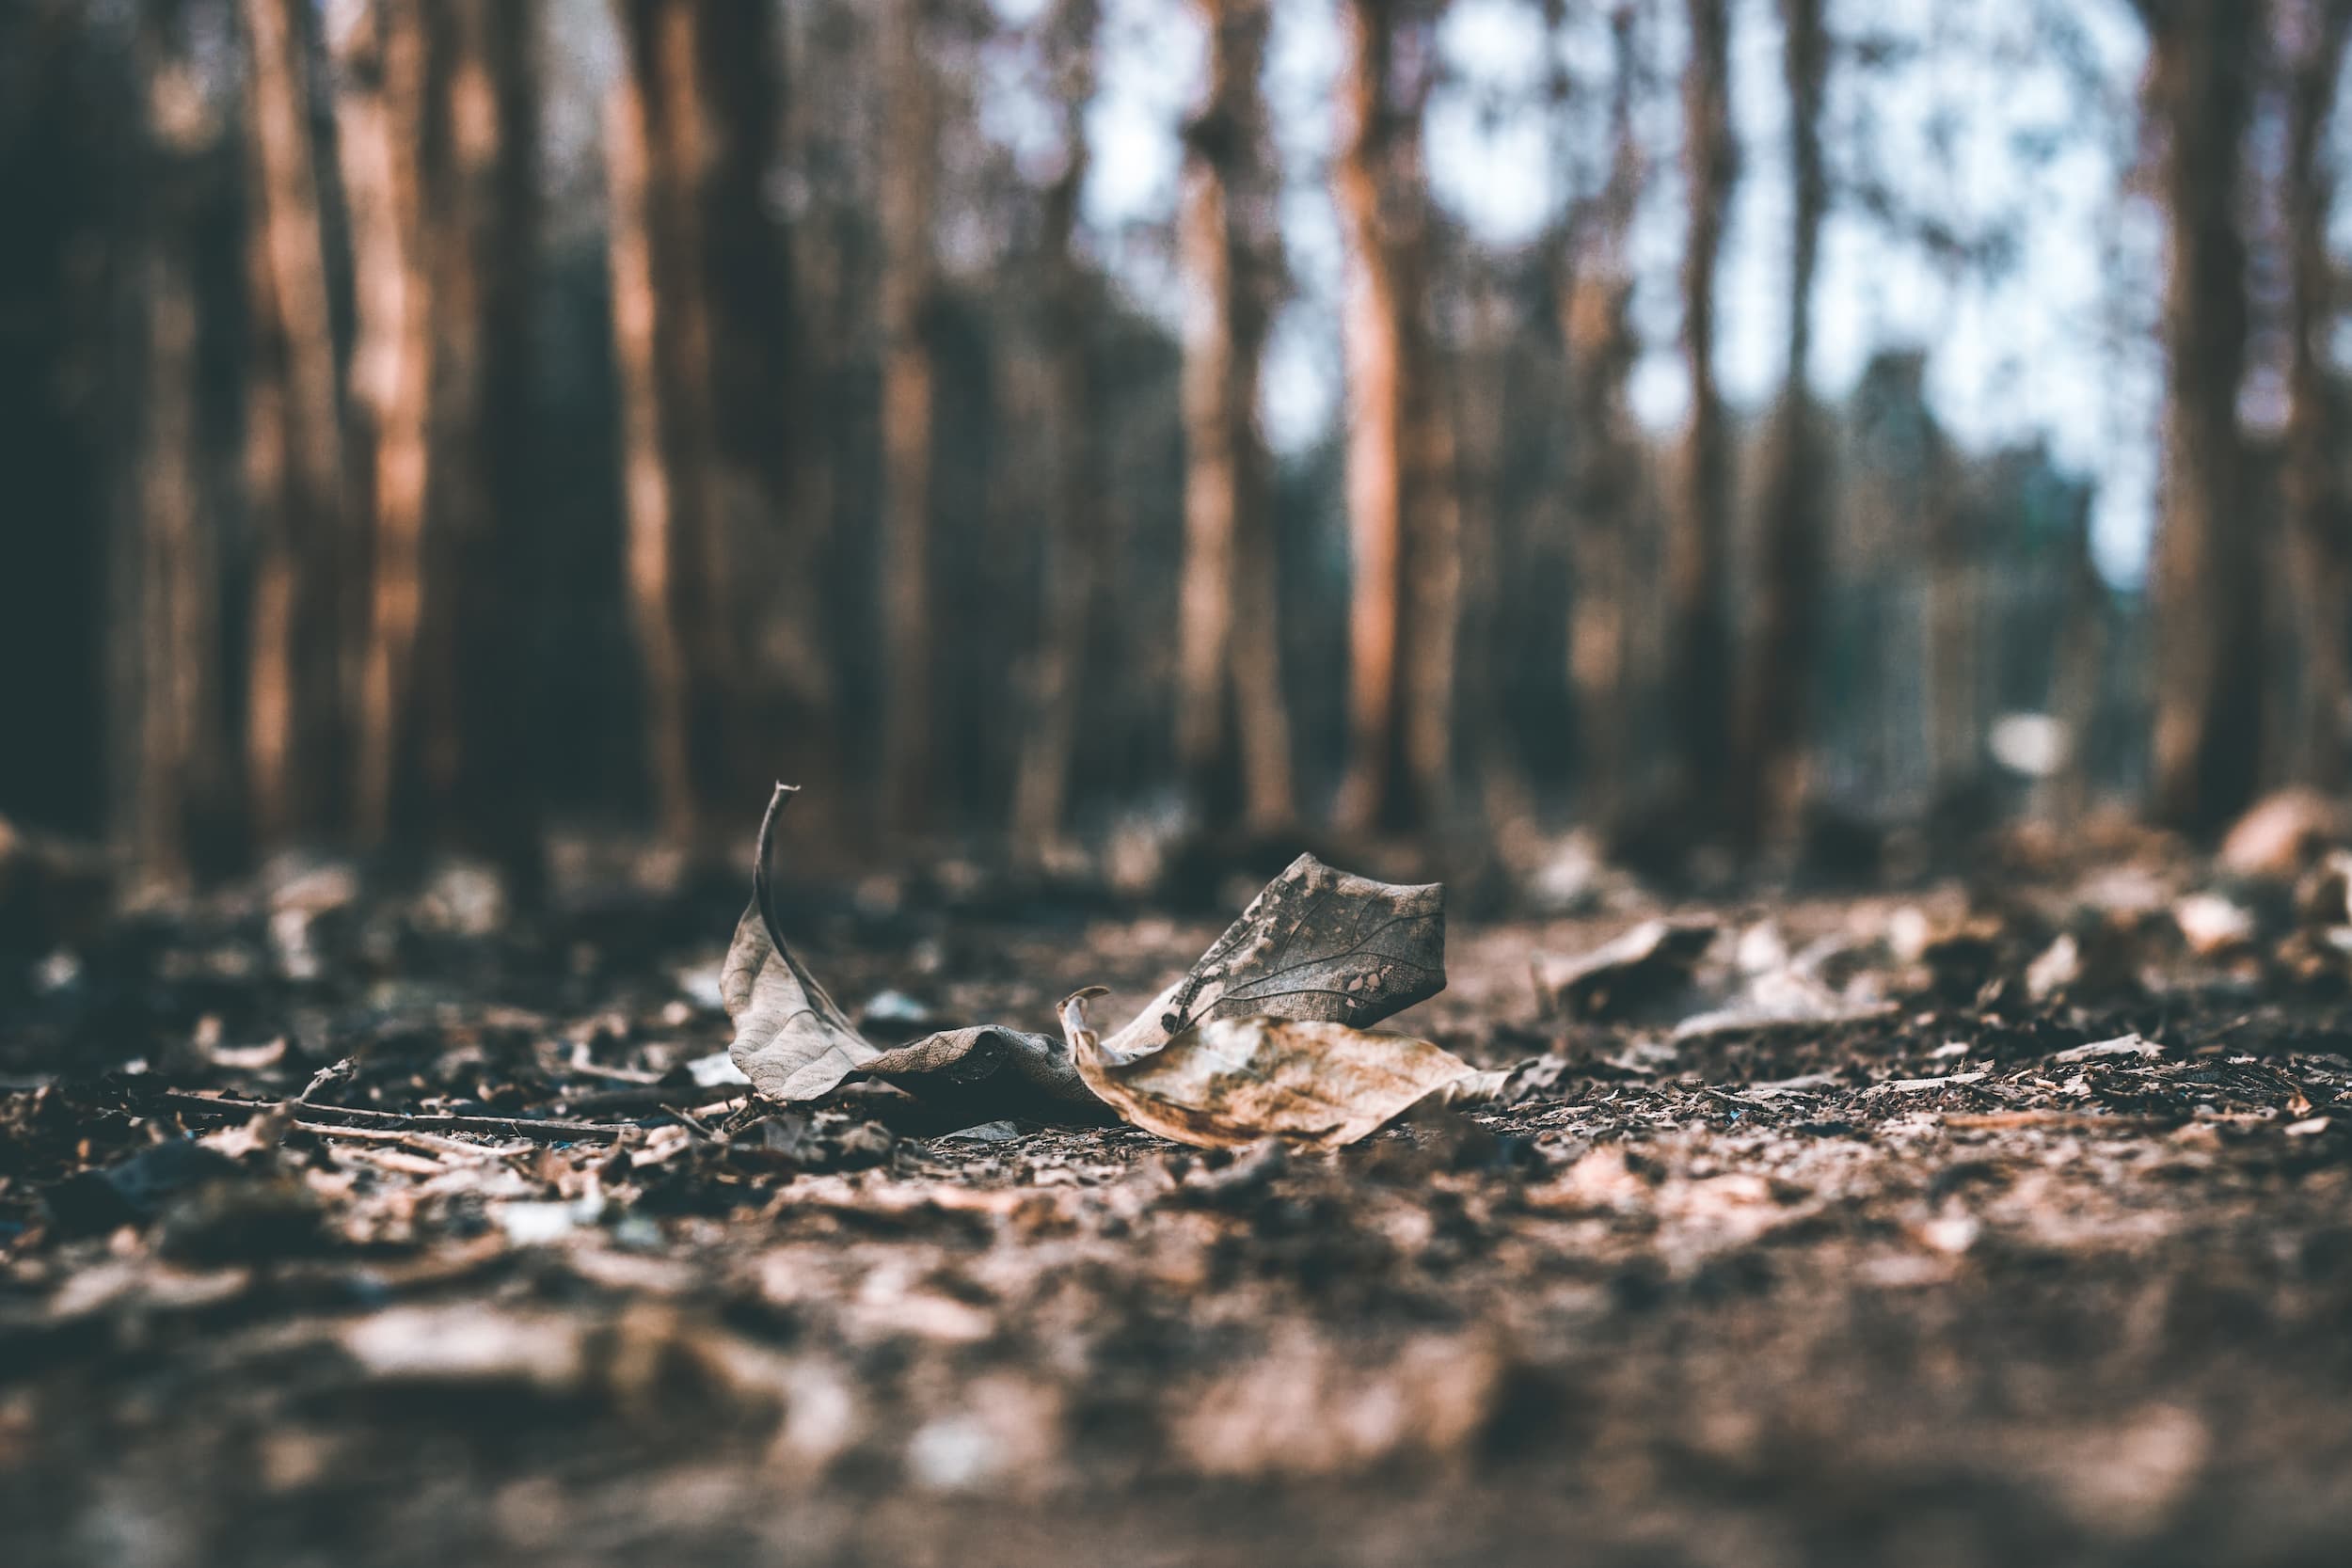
2026	1274
1261	1037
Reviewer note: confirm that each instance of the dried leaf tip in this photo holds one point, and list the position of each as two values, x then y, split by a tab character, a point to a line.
762	884
1073	1013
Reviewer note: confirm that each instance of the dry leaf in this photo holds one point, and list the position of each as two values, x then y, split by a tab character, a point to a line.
1316	944
1653	959
991	1072
1230	1081
791	1040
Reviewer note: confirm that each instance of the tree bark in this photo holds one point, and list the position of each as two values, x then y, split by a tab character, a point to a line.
703	299
293	450
177	806
2319	515
480	147
1698	675
910	135
1041	786
1229	661
379	135
1769	784
1594	290
1400	485
2208	580
649	499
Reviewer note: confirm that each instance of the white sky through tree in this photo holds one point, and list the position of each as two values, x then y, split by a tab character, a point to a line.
1971	122
2017	117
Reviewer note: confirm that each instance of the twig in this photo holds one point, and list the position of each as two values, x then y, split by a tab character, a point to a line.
687	1118
648	1097
540	1131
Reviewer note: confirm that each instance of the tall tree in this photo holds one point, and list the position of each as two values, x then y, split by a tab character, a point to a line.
1768	782
379	137
1593	291
2208	577
178	781
703	331
1073	566
909	179
1698	675
480	143
2318	512
1229	663
1401	496
293	455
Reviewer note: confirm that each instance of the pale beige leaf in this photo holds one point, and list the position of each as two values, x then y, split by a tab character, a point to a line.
791	1040
1230	1081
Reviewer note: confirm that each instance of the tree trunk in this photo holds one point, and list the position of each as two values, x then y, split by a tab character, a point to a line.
480	147
703	332
1769	784
1229	661
2208	582
1040	790
1400	485
909	171
1594	290
2319	515
177	804
379	135
293	450
1698	675
1948	648
648	496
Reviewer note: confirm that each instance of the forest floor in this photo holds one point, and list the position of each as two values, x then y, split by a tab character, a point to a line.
2000	1263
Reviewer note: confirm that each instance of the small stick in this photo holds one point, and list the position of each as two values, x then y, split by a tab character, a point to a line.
687	1118
539	1132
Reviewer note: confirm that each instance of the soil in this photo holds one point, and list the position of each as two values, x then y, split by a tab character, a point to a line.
1952	1281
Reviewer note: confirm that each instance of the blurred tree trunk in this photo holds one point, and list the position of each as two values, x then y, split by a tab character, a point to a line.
1948	648
703	331
176	807
379	135
2319	515
1698	674
2208	581
294	467
909	172
2078	677
1229	661
648	496
1481	421
1042	788
1400	493
479	245
1770	781
1595	293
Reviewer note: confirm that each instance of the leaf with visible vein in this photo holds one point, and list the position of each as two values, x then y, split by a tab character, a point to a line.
1316	945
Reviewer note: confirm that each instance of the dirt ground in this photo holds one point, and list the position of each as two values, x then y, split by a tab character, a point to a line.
1960	1277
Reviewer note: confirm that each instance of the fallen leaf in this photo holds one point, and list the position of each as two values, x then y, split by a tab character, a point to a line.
993	1072
2126	1045
1230	1081
2213	924
1315	944
791	1040
1652	959
2282	834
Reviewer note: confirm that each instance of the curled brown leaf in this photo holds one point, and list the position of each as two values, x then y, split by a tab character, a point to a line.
1224	1081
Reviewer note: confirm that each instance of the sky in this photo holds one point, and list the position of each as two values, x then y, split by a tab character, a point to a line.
1979	122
